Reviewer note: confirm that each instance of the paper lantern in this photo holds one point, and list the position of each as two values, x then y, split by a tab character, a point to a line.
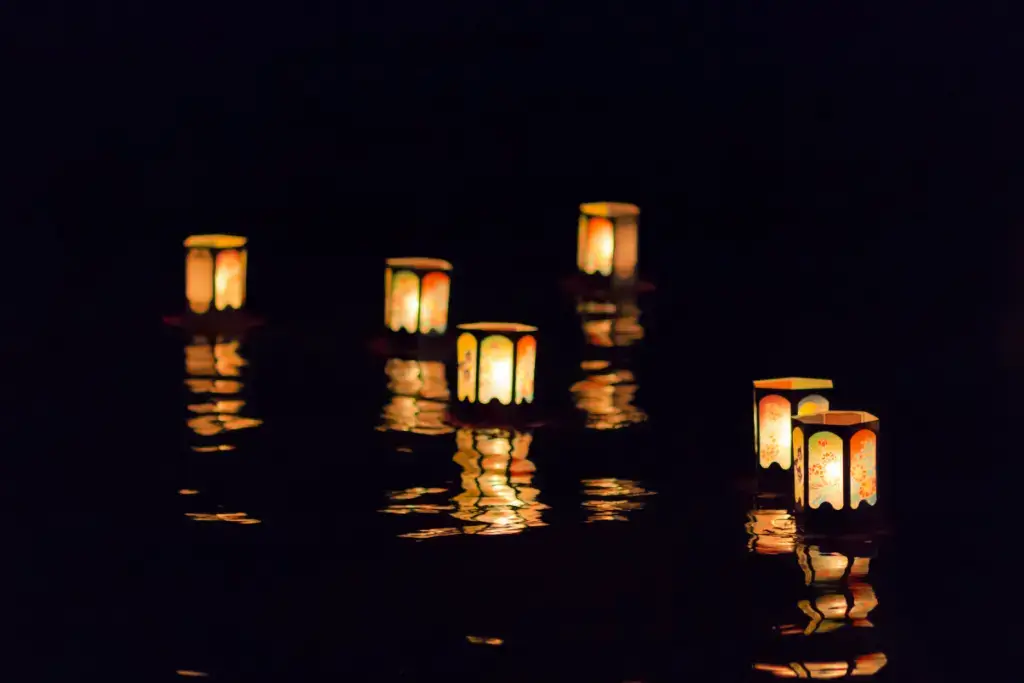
496	364
498	496
835	456
419	397
772	532
606	395
416	292
214	378
775	402
215	271
608	240
609	324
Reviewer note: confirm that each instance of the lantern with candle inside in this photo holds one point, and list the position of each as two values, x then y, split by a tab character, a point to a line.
607	240
835	474
776	401
416	294
215	284
496	364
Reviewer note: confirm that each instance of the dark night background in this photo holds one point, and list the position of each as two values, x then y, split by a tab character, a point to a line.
826	190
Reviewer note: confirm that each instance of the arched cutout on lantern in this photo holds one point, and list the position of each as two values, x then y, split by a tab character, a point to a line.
419	397
607	239
838	452
772	532
416	295
775	402
496	362
215	272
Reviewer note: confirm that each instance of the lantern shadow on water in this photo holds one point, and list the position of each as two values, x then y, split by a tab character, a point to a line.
776	401
214	373
216	269
419	396
496	367
835	474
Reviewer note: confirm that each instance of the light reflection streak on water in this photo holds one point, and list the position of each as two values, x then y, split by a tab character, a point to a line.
496	497
613	499
772	532
229	517
606	395
213	373
419	397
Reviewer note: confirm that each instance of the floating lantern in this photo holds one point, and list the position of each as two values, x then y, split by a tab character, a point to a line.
214	372
608	239
772	532
419	397
416	293
496	364
775	402
606	395
835	456
215	270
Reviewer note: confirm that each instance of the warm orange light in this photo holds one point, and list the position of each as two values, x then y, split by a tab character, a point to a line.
212	370
775	403
606	395
496	362
864	665
416	294
419	397
607	324
834	447
611	500
607	239
772	532
822	567
215	272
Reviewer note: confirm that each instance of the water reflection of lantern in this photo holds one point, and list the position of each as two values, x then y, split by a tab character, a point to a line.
215	270
497	493
496	363
419	397
214	371
772	532
836	463
608	324
608	240
611	500
416	292
826	567
776	401
606	395
863	665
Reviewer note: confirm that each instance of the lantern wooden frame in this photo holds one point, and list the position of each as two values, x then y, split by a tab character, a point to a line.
496	369
608	241
818	465
216	268
776	402
425	280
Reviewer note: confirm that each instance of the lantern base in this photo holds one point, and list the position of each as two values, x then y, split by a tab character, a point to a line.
414	346
494	414
600	287
226	323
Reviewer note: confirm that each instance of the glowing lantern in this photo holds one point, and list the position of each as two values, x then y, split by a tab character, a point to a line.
419	397
775	402
835	456
416	292
772	532
214	371
215	270
496	363
608	239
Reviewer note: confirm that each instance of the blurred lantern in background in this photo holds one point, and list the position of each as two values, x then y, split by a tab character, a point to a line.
496	368
607	242
416	294
835	477
418	397
776	401
215	284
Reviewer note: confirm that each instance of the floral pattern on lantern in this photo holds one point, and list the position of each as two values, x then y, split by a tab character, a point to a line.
416	295
838	450
215	272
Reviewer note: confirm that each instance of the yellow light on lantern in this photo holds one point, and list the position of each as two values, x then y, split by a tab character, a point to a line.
215	272
416	294
835	456
496	362
213	373
608	240
419	397
776	401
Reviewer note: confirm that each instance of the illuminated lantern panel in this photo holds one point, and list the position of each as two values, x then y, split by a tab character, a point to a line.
607	239
837	453
772	532
419	397
496	362
215	272
775	402
416	294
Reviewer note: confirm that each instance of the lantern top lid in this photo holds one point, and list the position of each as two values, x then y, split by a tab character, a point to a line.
420	262
497	327
216	241
610	209
837	417
793	383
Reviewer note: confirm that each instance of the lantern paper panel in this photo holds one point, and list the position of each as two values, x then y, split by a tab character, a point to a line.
607	239
419	397
775	403
215	273
496	363
837	452
416	295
